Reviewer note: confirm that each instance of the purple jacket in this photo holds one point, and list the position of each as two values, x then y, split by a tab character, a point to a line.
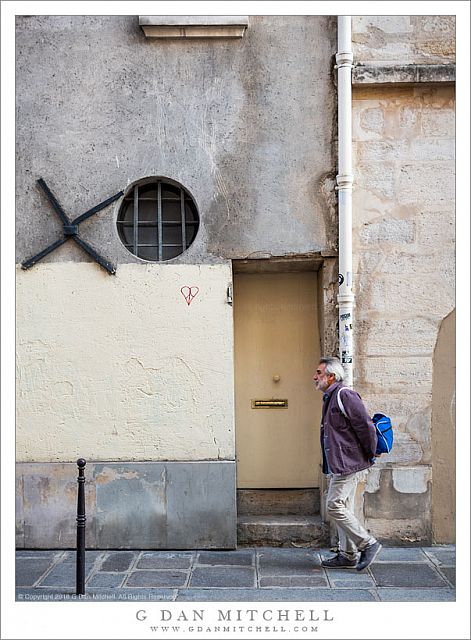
348	445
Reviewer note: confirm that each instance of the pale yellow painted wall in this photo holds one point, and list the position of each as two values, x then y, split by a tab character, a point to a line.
120	367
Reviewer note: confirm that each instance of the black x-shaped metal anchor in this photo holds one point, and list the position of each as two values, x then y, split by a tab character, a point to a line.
71	230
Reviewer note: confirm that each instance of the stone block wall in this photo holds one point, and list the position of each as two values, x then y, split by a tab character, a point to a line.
404	256
408	39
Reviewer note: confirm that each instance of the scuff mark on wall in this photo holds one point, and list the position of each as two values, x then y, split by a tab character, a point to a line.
190	369
64	388
110	474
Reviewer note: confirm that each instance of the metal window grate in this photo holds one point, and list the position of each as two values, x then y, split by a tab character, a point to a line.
158	220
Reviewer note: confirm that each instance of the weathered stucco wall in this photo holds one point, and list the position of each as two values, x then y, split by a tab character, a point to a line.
235	121
404	39
120	367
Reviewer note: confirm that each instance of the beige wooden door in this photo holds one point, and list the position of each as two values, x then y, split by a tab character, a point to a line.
276	338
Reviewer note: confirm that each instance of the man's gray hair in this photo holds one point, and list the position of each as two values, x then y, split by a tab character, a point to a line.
334	366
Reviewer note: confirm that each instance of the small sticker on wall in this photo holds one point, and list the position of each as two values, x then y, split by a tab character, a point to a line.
189	293
345	316
347	357
341	278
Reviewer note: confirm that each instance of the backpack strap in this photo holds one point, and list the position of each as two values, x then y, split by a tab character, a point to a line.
340	403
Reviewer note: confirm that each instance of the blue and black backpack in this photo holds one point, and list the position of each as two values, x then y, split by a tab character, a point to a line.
384	431
383	427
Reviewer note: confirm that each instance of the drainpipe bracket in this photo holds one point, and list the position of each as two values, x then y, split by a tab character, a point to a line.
344	181
344	59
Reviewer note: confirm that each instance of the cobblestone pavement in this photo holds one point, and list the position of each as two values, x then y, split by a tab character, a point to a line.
400	574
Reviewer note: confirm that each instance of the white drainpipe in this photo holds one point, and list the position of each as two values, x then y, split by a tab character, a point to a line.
344	59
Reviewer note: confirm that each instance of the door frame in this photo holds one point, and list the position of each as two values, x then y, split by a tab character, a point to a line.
326	265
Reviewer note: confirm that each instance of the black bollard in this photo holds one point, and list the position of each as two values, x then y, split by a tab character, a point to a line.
81	519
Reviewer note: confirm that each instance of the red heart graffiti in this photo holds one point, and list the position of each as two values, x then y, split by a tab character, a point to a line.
189	293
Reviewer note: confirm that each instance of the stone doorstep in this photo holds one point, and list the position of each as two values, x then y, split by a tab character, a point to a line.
270	530
280	502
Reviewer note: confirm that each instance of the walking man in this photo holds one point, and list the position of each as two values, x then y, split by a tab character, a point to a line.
348	450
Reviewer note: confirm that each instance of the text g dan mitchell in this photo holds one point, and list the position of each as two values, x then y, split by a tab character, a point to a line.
236	615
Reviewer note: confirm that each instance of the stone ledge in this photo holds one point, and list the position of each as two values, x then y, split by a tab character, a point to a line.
374	74
193	26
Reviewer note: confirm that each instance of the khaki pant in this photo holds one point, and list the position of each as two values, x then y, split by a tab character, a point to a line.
341	510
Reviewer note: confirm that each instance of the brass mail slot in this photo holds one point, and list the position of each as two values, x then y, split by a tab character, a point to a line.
269	404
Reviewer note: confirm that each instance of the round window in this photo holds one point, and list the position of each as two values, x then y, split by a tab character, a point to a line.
158	220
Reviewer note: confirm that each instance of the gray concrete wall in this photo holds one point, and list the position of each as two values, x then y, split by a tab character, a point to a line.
236	121
128	505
